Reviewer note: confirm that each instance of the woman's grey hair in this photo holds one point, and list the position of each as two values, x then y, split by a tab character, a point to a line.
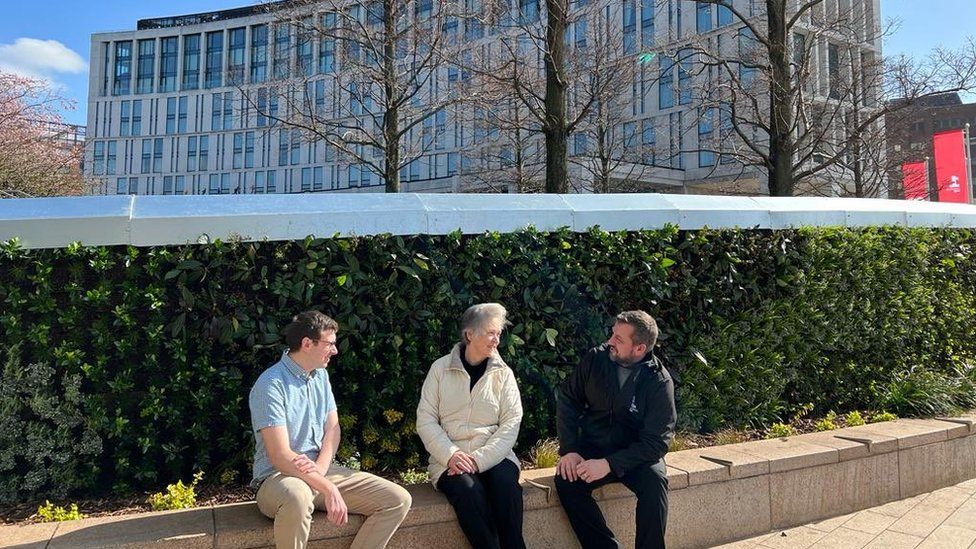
478	316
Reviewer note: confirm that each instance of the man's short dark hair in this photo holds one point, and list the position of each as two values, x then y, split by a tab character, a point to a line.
309	324
644	325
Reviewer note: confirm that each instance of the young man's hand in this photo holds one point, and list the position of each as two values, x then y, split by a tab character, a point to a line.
593	470
306	466
566	467
338	513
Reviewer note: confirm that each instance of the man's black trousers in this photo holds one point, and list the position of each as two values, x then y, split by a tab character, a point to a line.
648	482
488	506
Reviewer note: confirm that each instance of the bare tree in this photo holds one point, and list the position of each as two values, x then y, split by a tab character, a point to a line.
557	72
802	92
377	87
616	153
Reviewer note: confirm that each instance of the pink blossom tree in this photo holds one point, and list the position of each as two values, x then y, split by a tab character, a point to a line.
39	155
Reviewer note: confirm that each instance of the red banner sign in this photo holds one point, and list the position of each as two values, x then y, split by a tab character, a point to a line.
950	166
915	177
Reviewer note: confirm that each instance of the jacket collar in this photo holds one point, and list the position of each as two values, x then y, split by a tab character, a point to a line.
494	361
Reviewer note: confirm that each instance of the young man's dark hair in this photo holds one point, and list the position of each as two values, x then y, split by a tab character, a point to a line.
309	324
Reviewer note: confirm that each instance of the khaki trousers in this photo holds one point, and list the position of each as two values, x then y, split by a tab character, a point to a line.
290	502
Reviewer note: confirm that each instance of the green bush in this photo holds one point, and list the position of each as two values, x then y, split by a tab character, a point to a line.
48	445
781	430
826	423
177	496
921	391
414	476
853	419
151	351
49	513
882	417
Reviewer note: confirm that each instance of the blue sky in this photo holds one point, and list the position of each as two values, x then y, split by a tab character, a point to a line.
50	38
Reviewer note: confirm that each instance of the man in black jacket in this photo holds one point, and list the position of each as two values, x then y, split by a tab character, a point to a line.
616	418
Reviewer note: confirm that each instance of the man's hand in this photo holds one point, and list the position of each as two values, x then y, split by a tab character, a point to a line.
306	466
566	467
463	463
338	514
593	470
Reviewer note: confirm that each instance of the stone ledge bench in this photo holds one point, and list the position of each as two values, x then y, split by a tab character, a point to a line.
718	495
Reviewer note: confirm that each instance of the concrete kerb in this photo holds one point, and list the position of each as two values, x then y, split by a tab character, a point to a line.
718	495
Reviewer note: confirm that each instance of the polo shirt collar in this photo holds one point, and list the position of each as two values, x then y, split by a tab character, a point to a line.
295	369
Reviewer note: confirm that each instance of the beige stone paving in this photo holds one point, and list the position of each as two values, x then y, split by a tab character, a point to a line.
943	519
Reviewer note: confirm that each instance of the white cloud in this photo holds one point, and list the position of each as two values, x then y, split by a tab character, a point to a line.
40	58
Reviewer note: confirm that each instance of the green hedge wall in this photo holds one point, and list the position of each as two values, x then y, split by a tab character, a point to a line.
126	368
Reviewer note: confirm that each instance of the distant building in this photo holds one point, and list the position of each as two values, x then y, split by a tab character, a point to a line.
910	133
166	113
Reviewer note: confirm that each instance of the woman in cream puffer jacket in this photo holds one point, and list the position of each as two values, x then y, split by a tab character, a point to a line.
468	419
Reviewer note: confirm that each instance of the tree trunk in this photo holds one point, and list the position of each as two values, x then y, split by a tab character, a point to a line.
781	140
391	118
555	126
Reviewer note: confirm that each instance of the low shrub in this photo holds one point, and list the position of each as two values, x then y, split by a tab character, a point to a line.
177	496
781	430
826	423
414	476
730	436
882	417
545	453
921	391
49	513
853	419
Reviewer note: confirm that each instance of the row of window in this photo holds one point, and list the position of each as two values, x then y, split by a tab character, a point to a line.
248	51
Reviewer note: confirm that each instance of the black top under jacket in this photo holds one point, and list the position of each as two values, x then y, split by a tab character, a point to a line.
630	425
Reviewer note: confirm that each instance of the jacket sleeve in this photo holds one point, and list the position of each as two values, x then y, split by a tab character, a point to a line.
655	434
570	404
429	428
501	442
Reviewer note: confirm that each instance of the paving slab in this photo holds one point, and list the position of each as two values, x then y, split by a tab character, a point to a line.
189	528
800	537
29	536
786	454
921	520
894	540
912	432
949	537
847	448
698	470
740	464
870	522
843	538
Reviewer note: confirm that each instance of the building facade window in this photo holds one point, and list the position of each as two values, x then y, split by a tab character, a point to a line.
213	78
630	26
137	118
703	20
169	47
122	83
237	44
259	53
191	62
147	66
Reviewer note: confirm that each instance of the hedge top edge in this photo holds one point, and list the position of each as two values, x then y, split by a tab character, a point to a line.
167	220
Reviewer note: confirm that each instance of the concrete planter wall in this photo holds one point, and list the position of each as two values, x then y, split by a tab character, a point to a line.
718	495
